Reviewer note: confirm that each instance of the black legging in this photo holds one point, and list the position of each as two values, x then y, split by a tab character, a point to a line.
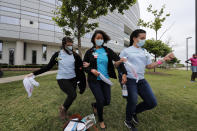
68	86
193	76
102	93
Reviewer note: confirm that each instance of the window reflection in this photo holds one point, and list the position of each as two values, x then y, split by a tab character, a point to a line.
9	20
58	29
45	17
29	13
45	26
111	23
9	9
49	1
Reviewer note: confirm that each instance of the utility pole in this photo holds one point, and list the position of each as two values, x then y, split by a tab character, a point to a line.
187	49
195	26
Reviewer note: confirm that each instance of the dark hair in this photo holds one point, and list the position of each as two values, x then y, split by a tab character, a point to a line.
135	34
106	38
64	41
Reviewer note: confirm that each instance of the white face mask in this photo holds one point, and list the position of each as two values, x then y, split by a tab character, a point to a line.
141	43
70	47
99	42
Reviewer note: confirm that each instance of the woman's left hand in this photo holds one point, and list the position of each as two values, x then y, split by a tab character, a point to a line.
168	57
124	79
86	64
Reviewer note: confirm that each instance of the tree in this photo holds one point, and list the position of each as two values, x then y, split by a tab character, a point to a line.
173	61
156	24
74	15
159	18
157	48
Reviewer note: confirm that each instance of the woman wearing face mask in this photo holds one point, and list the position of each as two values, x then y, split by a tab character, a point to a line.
136	84
70	72
99	59
193	66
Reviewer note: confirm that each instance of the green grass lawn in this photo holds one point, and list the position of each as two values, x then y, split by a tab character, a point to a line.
14	73
176	110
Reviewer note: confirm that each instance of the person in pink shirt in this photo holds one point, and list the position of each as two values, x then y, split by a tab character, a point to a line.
193	67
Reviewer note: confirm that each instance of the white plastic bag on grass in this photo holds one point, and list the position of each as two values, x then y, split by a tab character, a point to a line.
29	83
75	125
89	121
81	125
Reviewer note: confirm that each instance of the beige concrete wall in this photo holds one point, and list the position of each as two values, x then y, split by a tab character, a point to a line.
30	47
5	54
19	53
38	47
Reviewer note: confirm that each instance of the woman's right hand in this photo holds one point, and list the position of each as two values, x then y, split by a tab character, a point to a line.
86	64
124	59
29	75
95	72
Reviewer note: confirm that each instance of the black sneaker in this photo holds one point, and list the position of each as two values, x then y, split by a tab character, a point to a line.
129	124
135	119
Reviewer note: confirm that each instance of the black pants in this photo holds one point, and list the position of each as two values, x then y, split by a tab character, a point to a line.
193	76
68	86
102	93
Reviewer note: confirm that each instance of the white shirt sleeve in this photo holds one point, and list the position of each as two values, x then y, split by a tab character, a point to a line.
148	58
123	54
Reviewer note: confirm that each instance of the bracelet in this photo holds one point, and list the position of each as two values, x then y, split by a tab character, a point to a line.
159	62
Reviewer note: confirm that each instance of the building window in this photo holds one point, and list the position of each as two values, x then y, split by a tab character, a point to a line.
9	20
24	51
1	49
9	9
29	13
44	52
45	17
45	26
88	36
58	29
49	1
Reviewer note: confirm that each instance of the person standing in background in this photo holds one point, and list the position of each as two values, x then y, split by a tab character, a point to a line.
193	67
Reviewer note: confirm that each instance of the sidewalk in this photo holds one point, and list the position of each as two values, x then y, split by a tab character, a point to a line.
21	77
183	68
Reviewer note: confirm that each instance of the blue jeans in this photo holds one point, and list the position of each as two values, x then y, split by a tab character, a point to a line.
145	92
102	94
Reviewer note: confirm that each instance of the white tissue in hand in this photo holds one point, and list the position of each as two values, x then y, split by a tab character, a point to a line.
29	84
132	70
106	80
33	81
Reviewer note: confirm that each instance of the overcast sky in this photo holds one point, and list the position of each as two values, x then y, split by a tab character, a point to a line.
182	22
